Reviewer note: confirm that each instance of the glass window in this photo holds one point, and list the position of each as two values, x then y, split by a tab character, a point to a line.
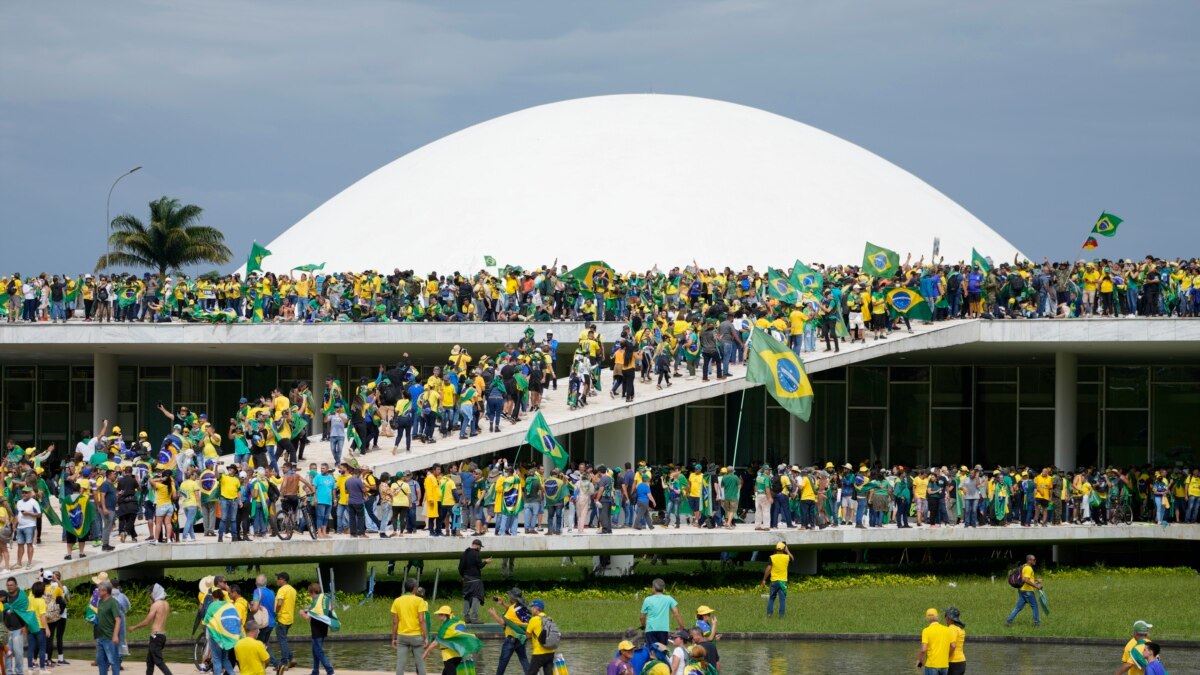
908	433
910	373
18	372
1126	387
1126	437
156	372
952	386
705	434
833	374
19	411
868	386
53	424
779	436
995	424
749	439
127	384
996	373
1177	374
1176	441
82	372
191	384
867	435
1087	425
1037	438
226	373
829	420
950	438
290	375
54	385
1037	387
1089	373
82	407
260	380
660	436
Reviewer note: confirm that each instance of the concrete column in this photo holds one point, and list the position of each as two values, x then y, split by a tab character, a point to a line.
1066	375
323	366
614	444
104	390
800	448
351	577
805	562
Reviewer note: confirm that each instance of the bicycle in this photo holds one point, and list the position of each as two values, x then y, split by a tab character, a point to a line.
1123	512
288	521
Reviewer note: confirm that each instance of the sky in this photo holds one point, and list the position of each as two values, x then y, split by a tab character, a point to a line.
1033	116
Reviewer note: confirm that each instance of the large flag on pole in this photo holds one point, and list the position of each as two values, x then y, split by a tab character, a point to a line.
1106	225
908	302
543	441
585	274
806	278
254	261
772	364
879	261
980	262
780	287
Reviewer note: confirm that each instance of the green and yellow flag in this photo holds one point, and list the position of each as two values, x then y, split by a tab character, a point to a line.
780	287
1106	225
806	278
254	261
772	364
453	635
586	272
879	261
908	302
310	268
543	441
980	262
489	261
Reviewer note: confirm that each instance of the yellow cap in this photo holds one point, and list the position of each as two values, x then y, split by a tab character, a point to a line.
724	471
444	609
780	546
862	469
625	645
931	613
116	430
705	609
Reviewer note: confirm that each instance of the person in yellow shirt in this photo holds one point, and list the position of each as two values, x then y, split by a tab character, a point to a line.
542	656
229	487
285	616
409	633
1041	495
937	641
189	503
1133	657
240	603
958	655
1026	595
433	499
450	658
777	573
251	653
920	494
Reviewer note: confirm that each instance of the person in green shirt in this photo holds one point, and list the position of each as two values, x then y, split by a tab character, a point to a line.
731	489
557	490
108	631
762	498
902	494
877	493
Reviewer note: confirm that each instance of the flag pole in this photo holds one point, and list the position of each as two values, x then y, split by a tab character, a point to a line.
737	434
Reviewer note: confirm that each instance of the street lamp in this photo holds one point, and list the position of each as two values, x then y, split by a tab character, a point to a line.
107	205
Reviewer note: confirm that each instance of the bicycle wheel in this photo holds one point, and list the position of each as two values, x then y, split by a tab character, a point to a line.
310	520
1124	514
287	525
200	653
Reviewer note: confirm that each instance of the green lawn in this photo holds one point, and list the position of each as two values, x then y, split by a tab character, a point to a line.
1085	602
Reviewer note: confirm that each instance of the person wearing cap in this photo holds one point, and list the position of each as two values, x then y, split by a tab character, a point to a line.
541	656
515	622
470	569
1133	656
454	640
937	642
622	664
776	573
679	651
958	656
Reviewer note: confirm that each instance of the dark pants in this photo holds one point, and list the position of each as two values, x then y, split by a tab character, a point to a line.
285	649
543	663
507	649
902	506
154	655
935	511
319	657
781	510
605	515
709	358
358	521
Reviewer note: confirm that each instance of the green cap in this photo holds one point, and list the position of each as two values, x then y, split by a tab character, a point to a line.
1141	627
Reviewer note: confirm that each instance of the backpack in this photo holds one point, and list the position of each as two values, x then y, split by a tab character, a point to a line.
12	620
550	635
1014	577
102	294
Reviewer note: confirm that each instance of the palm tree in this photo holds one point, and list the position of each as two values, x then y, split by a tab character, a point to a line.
171	241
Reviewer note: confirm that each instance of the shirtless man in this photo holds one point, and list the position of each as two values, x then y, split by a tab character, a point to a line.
156	618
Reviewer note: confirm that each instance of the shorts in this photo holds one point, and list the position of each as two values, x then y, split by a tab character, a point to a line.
164	510
973	298
1043	502
958	668
71	538
730	506
847	502
878	322
25	535
856	320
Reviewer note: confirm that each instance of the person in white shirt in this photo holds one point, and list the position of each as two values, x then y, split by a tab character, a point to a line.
679	652
28	511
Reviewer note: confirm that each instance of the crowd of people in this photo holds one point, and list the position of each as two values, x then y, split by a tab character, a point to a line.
1020	289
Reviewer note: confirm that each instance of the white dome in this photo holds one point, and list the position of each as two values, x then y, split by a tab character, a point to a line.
637	181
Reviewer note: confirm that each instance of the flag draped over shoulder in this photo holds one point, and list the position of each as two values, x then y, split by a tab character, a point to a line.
980	262
772	364
1106	225
323	609
907	302
254	260
20	606
76	514
781	288
879	261
224	624
543	441
511	499
806	278
453	635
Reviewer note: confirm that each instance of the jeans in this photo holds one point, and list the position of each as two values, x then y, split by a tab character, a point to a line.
710	357
37	648
781	510
495	406
554	518
642	515
1025	598
285	649
507	649
413	643
936	671
935	511
971	512
335	446
860	511
16	652
1193	509
673	508
189	525
777	591
371	511
107	520
221	663
228	518
533	511
728	349
319	658
808	513
902	507
467	413
627	509
107	657
322	515
57	312
875	518
506	525
358	521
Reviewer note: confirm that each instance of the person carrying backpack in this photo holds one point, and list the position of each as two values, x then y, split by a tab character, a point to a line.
544	636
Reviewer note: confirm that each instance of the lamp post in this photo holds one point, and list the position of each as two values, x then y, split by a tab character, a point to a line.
107	206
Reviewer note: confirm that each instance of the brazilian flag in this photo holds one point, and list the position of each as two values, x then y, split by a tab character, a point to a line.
909	303
453	635
543	441
879	261
772	364
323	609
489	261
511	499
806	278
781	287
208	485
980	262
224	624
254	260
1106	225
311	267
76	514
585	274
256	314
168	456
